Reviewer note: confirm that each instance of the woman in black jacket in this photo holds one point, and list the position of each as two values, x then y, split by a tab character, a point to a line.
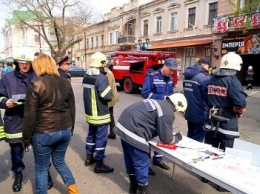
49	122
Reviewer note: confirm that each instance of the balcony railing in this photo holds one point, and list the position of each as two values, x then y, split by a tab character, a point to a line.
126	39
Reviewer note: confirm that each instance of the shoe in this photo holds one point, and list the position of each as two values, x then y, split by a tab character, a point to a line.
17	186
112	135
102	168
133	184
221	189
151	172
90	160
50	182
161	165
204	180
142	189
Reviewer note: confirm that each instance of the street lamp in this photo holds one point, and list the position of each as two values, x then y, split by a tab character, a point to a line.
143	45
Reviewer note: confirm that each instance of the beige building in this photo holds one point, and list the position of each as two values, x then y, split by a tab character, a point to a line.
184	27
20	40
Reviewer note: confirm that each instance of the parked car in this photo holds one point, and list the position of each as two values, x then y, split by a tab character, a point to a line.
76	71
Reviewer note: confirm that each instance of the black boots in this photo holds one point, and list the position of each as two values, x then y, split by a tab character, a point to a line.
17	186
90	160
133	184
112	135
142	189
102	168
50	182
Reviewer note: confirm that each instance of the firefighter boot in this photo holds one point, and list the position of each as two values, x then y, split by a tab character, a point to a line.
133	184
17	186
72	189
111	135
102	168
90	160
142	189
50	182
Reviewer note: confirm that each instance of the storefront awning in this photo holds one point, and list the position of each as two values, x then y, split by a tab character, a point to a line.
180	44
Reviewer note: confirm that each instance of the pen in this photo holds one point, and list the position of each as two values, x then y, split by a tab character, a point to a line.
217	158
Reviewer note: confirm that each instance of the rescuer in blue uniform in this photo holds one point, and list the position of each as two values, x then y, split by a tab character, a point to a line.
15	83
96	94
226	98
194	86
139	123
158	85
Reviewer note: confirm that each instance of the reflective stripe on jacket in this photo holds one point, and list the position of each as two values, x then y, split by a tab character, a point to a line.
96	94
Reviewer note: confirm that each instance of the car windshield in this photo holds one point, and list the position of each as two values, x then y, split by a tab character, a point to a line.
75	68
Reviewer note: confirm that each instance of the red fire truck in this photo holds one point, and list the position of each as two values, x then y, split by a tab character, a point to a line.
130	67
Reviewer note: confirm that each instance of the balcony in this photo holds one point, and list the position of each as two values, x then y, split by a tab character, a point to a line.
126	40
228	23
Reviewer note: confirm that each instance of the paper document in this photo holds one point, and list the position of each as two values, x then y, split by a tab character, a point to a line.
19	97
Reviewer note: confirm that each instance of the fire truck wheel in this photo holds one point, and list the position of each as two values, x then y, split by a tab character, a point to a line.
128	85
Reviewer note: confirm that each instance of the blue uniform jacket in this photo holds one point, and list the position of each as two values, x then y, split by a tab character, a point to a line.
227	92
156	86
14	83
194	86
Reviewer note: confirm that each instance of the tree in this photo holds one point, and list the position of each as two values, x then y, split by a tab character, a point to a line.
248	8
65	19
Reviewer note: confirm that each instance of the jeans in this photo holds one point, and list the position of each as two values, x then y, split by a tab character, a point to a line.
52	144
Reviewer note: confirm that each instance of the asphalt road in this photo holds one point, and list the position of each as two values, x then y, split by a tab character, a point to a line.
117	182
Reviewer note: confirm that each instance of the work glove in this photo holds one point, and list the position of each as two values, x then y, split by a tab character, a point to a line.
177	137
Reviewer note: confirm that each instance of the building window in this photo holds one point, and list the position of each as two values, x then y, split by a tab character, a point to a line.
92	42
208	52
191	17
102	40
78	45
159	24
110	38
131	28
189	57
36	38
173	21
213	11
96	41
87	43
145	26
117	36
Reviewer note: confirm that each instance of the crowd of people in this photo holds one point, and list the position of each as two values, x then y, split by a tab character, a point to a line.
43	115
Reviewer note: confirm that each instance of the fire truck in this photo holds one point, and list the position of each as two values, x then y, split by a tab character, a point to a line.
130	67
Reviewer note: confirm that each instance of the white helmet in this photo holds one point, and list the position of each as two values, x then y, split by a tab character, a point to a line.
98	59
23	58
231	61
250	68
179	101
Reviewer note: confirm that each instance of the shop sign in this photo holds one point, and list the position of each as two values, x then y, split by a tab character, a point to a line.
245	44
222	25
239	22
255	19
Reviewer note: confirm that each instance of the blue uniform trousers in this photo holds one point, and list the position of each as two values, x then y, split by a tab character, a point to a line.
136	162
17	152
97	141
196	131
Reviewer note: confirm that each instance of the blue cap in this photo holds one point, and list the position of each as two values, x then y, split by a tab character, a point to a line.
171	63
205	60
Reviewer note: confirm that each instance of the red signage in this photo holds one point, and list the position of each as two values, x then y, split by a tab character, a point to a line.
255	19
239	21
222	25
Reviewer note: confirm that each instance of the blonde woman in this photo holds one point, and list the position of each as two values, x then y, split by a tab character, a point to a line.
49	122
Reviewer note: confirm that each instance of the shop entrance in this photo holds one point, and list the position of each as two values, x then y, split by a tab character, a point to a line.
254	61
